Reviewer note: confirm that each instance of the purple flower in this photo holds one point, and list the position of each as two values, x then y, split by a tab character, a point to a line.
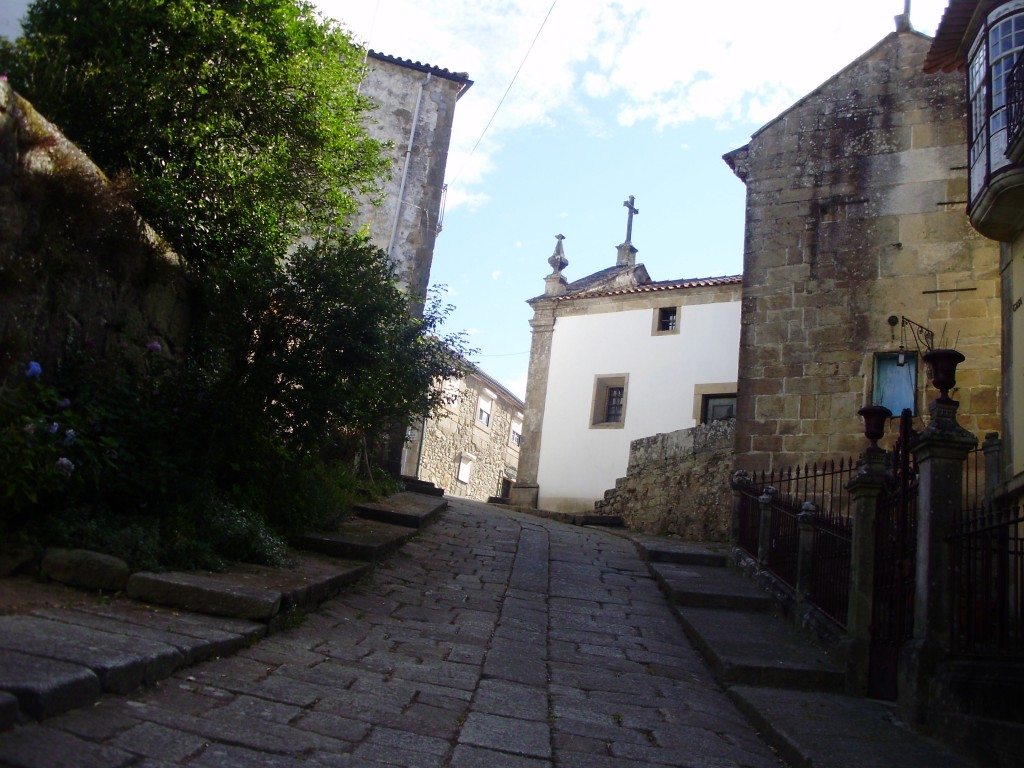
64	465
53	428
64	404
34	370
69	437
154	346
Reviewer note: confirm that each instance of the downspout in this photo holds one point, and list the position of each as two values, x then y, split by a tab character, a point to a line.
405	170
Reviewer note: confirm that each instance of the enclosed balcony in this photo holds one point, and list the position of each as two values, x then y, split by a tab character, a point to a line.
995	81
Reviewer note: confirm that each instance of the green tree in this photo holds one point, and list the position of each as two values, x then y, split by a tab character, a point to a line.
237	126
237	123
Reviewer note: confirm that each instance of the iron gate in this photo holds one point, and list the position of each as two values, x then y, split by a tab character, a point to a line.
892	621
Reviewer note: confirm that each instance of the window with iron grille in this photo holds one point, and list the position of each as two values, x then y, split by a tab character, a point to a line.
609	403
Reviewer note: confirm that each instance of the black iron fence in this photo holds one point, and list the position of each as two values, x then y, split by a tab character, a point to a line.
987	549
770	510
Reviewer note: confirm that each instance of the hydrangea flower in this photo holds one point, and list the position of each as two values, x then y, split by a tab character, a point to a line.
69	437
154	346
64	465
34	370
64	404
53	428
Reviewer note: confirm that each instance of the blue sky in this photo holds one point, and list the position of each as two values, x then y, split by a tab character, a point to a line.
615	99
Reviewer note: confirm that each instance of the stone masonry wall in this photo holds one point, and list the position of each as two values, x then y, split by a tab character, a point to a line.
77	265
677	483
855	214
458	431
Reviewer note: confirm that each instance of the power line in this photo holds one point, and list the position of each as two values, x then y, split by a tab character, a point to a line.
513	82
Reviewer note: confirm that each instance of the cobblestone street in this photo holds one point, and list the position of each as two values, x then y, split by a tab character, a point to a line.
493	639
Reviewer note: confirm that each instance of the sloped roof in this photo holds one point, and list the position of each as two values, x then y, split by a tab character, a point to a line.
655	287
458	77
947	53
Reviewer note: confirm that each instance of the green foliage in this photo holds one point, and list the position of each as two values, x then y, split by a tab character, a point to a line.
237	121
237	127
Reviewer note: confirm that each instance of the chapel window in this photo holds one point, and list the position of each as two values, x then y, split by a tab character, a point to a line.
609	403
666	320
717	407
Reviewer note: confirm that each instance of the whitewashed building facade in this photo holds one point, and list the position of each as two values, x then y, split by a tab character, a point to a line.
616	357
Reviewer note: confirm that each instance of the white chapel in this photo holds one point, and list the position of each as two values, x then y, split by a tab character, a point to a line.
615	357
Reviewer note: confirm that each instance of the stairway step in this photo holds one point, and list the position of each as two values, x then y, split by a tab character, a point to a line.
659	549
759	649
412	510
709	586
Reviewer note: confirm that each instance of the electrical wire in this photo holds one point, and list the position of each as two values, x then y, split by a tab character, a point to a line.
507	90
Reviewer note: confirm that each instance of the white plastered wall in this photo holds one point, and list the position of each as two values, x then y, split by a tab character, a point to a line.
578	463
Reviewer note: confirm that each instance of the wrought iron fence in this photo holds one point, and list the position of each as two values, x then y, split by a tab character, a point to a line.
987	551
821	490
1015	100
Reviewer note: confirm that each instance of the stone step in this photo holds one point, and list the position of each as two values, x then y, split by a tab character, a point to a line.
709	586
38	687
802	726
251	592
412	510
415	485
759	649
356	539
121	664
658	549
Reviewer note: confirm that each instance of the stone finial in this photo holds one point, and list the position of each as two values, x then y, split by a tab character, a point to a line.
557	259
555	283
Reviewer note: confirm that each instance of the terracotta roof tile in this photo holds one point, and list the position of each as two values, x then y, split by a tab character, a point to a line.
663	285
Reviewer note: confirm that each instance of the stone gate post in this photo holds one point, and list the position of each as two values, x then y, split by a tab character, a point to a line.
865	489
941	450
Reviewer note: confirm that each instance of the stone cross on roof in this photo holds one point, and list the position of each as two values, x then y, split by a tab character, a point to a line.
633	211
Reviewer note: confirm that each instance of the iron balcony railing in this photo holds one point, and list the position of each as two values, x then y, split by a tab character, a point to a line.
1015	109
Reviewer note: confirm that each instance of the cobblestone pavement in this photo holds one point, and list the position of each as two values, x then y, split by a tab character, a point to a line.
493	639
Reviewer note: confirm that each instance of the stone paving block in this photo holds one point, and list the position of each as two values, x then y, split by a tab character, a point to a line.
502	697
158	742
44	687
229	756
36	746
201	593
521	737
386	744
466	756
121	663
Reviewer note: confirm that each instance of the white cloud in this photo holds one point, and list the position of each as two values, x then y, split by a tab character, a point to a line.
598	61
495	274
472	331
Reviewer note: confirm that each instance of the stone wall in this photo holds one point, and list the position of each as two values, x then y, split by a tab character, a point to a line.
435	450
677	484
855	214
415	113
77	265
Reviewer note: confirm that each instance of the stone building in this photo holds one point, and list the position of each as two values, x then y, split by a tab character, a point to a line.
856	247
472	448
416	110
616	356
984	40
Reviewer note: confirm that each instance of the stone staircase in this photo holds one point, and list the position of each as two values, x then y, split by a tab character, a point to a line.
788	685
176	619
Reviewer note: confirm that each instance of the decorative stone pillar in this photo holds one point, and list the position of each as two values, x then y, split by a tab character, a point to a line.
805	555
764	540
941	450
740	480
865	489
